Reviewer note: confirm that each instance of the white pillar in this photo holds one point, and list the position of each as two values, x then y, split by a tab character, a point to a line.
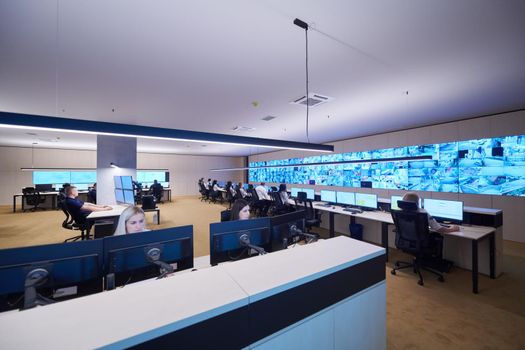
121	151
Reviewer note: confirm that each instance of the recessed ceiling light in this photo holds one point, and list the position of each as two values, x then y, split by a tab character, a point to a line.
268	118
314	99
30	133
242	128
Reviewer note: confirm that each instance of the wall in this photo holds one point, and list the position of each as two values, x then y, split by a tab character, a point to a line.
184	170
490	126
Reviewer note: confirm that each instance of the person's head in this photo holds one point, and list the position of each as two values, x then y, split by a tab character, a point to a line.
155	182
132	220
71	191
239	184
214	182
240	210
411	197
95	185
209	180
263	183
282	188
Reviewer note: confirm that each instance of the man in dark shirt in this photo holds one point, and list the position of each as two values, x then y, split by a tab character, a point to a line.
156	190
77	208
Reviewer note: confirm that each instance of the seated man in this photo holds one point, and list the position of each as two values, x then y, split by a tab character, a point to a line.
156	190
434	225
78	209
264	198
92	194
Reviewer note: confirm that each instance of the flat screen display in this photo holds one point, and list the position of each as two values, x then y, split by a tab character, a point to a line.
328	196
129	197
347	198
127	183
118	181
119	195
310	193
295	190
443	209
366	200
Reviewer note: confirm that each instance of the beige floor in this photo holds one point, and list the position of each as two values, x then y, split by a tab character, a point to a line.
436	316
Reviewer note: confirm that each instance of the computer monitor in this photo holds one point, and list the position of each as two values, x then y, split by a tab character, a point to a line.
245	186
81	187
284	228
119	196
295	190
394	199
346	198
127	182
138	256
310	193
328	196
44	187
228	239
444	210
118	181
129	197
366	200
30	275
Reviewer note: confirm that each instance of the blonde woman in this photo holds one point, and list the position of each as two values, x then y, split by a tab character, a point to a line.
132	220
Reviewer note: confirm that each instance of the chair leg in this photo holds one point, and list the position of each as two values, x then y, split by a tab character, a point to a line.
439	274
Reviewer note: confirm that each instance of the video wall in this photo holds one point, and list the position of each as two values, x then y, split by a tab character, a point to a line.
493	166
89	177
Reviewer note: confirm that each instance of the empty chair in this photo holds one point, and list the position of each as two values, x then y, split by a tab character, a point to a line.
312	217
413	237
32	198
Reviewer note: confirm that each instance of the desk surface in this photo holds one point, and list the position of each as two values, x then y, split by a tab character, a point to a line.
130	315
468	232
50	193
116	211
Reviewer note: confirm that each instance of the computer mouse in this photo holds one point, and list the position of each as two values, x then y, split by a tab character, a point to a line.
333	207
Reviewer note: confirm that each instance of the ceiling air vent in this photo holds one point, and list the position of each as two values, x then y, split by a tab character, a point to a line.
242	128
268	118
313	100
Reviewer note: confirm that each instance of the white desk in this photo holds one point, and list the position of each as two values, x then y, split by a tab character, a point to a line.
52	194
473	233
265	302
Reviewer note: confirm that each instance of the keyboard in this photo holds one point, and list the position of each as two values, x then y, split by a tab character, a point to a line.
324	205
353	210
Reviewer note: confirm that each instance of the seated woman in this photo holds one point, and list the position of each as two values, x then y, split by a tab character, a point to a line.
284	195
132	220
240	210
434	225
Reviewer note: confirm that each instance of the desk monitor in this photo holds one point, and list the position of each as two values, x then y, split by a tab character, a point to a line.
286	227
81	187
245	186
127	182
366	200
119	196
310	193
295	190
118	181
394	199
328	196
129	197
228	239
443	210
138	256
44	187
34	275
345	198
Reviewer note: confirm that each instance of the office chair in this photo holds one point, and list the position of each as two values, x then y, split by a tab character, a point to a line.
277	207
312	217
157	192
148	202
256	205
70	224
413	237
205	194
229	197
226	215
32	198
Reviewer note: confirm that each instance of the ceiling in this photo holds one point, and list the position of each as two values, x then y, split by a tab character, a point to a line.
213	65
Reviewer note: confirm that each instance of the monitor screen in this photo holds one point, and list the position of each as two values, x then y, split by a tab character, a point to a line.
127	183
119	196
366	200
118	181
347	198
444	210
49	177
295	190
328	196
83	177
394	199
310	193
225	243
129	197
44	187
81	187
283	226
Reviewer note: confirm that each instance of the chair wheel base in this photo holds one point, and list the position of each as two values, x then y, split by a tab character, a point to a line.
393	272
420	282
441	279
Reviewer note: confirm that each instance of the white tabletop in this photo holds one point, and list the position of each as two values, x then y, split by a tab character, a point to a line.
116	211
126	315
269	274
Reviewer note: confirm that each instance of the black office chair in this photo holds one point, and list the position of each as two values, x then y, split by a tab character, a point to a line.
226	215
70	224
413	237
277	207
32	197
205	194
313	218
157	192
229	197
148	202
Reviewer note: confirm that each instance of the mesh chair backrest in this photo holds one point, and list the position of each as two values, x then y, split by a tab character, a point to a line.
412	234
301	196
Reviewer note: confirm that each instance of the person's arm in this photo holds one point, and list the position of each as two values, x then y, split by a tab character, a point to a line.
95	207
437	227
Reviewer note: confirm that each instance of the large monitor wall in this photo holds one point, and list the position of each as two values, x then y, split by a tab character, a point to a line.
494	166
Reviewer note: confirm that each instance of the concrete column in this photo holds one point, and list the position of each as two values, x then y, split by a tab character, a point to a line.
121	151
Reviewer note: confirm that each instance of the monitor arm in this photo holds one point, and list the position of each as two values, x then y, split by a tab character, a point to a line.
244	240
153	256
308	236
36	277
